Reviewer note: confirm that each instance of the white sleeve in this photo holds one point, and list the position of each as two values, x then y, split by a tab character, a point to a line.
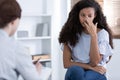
62	46
105	49
104	46
24	65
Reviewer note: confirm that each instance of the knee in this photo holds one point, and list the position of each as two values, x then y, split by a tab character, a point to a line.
75	73
76	70
93	75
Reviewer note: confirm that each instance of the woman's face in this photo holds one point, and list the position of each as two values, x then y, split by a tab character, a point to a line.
86	14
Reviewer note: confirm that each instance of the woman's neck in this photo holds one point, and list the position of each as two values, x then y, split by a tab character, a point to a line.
85	31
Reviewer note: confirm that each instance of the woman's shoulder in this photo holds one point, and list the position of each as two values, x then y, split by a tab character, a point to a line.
103	34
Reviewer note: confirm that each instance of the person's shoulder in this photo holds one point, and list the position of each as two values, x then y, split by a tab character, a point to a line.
103	34
21	49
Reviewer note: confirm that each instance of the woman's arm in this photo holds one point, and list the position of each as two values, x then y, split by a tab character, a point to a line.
95	56
68	62
92	29
67	59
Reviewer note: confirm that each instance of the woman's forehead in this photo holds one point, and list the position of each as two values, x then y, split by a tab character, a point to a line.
88	10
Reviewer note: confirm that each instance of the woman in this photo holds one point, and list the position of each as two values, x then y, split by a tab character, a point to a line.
87	42
14	60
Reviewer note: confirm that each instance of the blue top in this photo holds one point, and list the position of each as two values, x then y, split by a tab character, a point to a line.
15	60
80	53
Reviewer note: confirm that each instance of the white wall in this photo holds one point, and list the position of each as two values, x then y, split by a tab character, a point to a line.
59	16
65	8
114	65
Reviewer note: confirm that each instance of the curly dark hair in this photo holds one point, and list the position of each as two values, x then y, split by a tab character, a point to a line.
72	27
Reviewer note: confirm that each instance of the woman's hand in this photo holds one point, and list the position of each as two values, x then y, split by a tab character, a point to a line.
99	69
90	27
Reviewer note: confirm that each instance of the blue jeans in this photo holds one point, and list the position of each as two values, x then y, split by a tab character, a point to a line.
78	73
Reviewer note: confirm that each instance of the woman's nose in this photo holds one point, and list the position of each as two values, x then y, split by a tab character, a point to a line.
85	19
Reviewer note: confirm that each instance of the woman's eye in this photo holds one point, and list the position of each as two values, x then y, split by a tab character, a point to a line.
82	15
89	16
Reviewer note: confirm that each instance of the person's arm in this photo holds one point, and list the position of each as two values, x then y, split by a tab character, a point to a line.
67	59
68	62
25	66
95	56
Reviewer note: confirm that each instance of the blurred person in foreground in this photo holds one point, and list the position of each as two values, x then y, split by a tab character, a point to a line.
14	59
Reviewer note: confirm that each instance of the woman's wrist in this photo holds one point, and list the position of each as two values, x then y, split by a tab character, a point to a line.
94	35
90	67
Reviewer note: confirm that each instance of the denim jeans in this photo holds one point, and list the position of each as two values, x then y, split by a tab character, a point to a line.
78	73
